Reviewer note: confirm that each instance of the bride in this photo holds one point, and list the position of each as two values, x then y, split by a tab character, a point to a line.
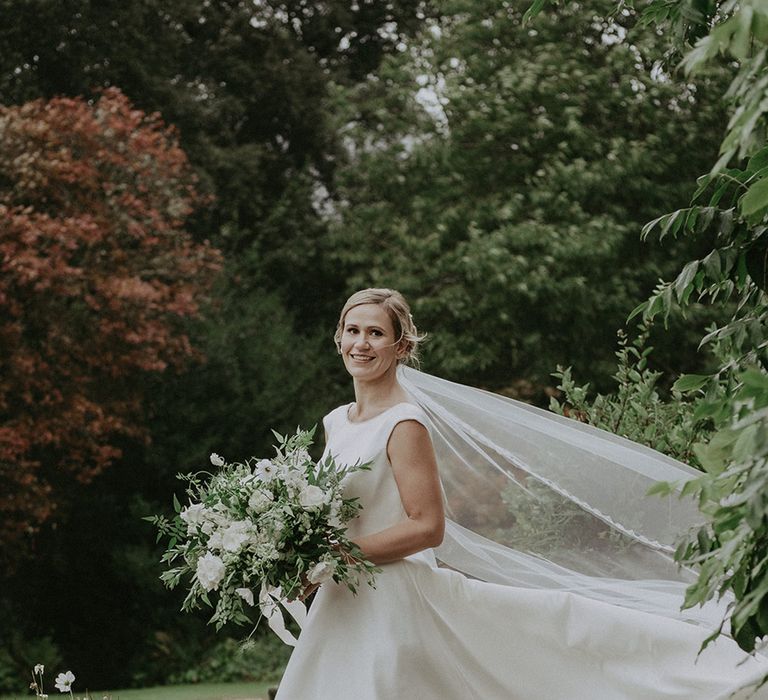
577	599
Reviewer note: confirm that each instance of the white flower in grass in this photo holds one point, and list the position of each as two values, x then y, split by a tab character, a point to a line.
210	571
321	572
39	669
217	460
246	594
311	497
64	682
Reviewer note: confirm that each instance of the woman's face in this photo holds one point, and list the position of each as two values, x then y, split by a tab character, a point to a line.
369	347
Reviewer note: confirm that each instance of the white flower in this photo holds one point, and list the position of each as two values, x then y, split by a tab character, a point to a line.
64	681
260	499
39	669
300	456
193	515
236	535
210	571
265	470
217	460
266	551
246	594
296	479
311	497
216	540
321	572
334	516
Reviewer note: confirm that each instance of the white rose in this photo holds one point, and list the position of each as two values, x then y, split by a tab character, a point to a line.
311	497
236	535
210	571
217	460
295	479
246	594
321	572
216	540
259	500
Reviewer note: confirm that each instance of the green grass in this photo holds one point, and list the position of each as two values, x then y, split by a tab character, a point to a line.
202	691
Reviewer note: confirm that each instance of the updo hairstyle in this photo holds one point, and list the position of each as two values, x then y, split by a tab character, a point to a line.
398	311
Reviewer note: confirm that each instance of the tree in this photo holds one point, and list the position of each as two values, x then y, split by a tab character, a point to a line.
97	275
728	218
500	173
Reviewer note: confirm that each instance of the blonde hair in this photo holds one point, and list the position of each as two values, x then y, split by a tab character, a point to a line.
398	311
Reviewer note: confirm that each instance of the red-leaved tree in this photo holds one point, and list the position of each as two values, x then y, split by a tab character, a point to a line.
97	275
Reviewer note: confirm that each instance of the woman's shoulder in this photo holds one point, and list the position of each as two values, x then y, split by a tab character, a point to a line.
334	417
404	412
386	420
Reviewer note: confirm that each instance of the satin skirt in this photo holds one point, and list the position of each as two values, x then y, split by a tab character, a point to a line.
433	634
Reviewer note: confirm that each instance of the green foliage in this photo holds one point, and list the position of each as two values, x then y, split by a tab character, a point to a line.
550	524
260	659
638	409
503	200
729	216
20	655
731	549
734	218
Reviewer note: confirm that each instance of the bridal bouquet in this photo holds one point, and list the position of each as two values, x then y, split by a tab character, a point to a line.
266	528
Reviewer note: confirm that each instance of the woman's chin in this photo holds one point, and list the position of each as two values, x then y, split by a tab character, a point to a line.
365	371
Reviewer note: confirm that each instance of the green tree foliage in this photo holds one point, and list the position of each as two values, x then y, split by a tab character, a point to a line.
245	85
639	408
728	215
499	174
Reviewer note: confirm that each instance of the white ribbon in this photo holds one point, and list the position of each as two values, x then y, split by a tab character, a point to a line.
270	600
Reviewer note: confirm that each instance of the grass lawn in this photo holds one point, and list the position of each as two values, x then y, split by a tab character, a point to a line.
202	691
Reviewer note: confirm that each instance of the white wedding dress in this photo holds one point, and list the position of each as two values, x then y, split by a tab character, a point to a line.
430	633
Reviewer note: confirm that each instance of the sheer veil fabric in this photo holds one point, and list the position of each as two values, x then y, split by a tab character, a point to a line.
537	500
555	511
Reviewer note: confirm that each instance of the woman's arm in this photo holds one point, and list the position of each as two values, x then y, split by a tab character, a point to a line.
415	470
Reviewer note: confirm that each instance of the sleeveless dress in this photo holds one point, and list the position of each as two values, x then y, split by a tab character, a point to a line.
428	633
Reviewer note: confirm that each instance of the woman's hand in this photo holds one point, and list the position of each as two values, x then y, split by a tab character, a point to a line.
307	589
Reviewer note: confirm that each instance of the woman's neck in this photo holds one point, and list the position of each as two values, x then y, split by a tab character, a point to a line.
372	397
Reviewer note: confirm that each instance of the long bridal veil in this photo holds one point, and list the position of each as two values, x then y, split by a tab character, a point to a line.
538	500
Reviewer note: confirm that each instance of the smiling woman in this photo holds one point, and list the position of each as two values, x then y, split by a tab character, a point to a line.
434	633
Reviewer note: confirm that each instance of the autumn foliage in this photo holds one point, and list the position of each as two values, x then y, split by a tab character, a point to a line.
97	276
